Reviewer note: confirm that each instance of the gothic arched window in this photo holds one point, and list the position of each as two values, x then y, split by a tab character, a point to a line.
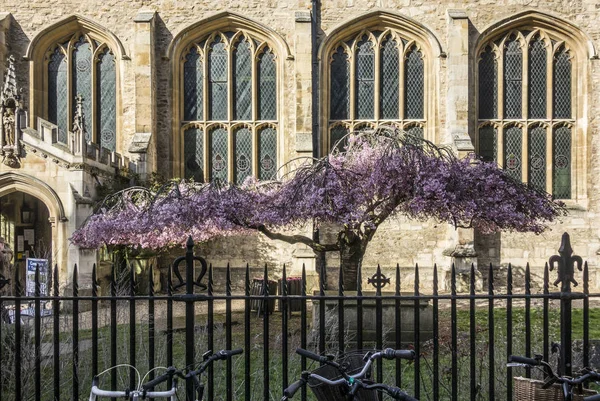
83	67
229	98
525	111
376	77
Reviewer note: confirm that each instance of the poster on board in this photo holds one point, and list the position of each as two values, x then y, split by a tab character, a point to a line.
31	266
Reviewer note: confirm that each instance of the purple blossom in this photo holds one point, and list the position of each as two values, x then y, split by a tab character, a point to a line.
380	174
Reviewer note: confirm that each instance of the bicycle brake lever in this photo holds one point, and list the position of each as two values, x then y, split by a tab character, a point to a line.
548	383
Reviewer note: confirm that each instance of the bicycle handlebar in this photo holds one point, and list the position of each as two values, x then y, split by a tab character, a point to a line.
393	392
171	371
314	357
524	360
390	353
223	354
584	376
387	353
293	388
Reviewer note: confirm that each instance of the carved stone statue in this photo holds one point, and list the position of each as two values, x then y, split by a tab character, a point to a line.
8	123
11	107
78	124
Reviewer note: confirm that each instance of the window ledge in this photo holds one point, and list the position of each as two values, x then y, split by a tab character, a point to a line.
580	205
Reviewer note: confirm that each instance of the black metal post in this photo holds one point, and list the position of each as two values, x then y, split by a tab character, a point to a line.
189	314
566	269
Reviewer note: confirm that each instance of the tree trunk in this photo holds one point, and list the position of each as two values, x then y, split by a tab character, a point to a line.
351	256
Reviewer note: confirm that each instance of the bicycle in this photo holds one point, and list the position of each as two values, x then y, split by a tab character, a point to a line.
350	387
145	391
567	383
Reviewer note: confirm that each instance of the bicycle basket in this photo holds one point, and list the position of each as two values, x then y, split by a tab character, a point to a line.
531	390
324	392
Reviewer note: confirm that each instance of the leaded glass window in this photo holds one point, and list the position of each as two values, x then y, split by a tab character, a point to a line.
82	80
488	143
83	67
229	76
537	79
545	113
57	93
537	157
267	86
415	134
488	84
193	86
513	78
413	104
267	154
107	100
385	73
218	155
562	163
193	156
513	152
340	85
217	88
242	78
365	79
390	91
338	137
562	84
243	154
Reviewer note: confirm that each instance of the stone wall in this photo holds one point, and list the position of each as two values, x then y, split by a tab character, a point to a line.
402	242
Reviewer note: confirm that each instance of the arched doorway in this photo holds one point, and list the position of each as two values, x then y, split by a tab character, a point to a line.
32	222
26	232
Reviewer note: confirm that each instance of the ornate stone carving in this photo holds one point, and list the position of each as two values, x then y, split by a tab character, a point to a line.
10	110
77	141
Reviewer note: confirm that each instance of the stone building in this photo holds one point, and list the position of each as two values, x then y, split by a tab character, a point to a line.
94	89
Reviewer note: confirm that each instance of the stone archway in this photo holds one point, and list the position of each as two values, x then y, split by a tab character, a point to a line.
32	220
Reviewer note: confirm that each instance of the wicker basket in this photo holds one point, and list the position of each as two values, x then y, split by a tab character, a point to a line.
531	390
324	392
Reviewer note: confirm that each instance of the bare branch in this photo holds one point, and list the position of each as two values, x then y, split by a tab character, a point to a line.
297	239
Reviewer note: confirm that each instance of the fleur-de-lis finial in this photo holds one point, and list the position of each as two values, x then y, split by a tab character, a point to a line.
566	264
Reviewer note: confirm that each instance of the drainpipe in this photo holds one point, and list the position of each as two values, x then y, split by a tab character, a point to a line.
316	142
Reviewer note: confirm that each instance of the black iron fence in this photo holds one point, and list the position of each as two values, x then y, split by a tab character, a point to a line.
463	339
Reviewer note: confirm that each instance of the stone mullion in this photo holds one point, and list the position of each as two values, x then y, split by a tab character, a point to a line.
94	137
401	89
525	113
352	84
70	95
500	142
550	116
425	96
254	83
500	111
255	101
549	82
255	153
377	81
230	155
549	159
206	161
500	99
230	101
524	82
205	108
525	152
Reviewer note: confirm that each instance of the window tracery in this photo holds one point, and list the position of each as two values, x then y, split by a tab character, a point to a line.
525	113
229	97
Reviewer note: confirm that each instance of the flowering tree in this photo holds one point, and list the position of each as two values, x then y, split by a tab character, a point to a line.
375	176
